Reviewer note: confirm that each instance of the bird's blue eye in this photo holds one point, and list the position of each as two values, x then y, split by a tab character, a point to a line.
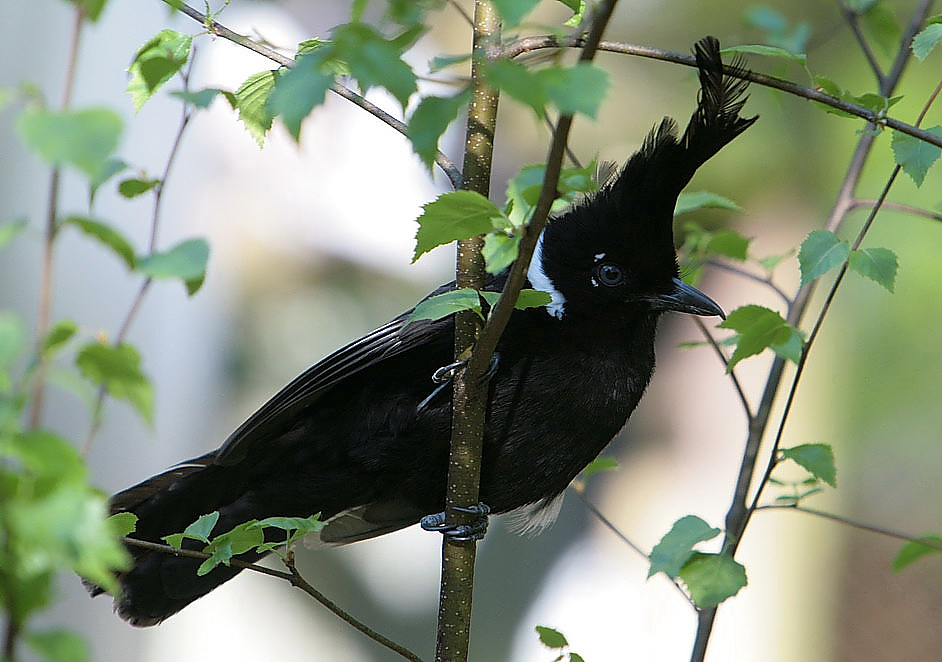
609	274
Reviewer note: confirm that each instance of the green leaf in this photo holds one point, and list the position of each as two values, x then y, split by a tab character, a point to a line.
440	62
926	40
599	465
817	459
676	547
526	299
429	121
12	338
551	637
758	328
513	11
186	261
9	230
133	187
523	190
791	347
915	550
109	169
58	645
443	305
518	82
107	236
914	155
60	333
299	90
80	138
728	243
252	101
118	370
453	216
374	61
199	99
769	51
500	250
577	89
877	264
712	578
820	252
575	657
156	62
122	524
695	200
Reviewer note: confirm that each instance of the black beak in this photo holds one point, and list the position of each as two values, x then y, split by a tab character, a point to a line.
686	299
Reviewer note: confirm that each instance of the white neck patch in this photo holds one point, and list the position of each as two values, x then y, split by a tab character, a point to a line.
541	281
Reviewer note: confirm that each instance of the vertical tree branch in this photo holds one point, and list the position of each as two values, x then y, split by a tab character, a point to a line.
470	391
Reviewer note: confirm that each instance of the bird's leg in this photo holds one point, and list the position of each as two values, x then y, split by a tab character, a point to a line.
443	376
459	532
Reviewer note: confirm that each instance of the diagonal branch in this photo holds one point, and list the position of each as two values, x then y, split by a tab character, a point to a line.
214	27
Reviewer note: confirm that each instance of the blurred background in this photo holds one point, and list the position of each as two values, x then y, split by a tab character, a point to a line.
311	248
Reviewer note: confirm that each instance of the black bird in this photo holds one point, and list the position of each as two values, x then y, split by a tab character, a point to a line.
357	438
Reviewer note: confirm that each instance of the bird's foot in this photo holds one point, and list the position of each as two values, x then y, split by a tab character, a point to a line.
446	373
459	532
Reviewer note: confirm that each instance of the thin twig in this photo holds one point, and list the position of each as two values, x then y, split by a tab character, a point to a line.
528	44
732	373
457	7
293	577
897	206
883	531
44	308
751	276
852	18
214	27
625	539
125	327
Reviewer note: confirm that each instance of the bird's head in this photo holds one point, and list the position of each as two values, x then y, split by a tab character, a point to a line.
617	248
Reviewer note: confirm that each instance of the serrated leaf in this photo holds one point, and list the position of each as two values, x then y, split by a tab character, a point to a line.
374	60
429	121
914	155
156	62
59	645
518	82
769	51
122	524
915	550
820	252
186	261
878	264
694	200
9	230
133	187
817	459
440	62
550	637
927	39
526	299
80	138
500	250
791	347
201	529
514	11
676	547
252	101
118	370
199	99
577	89
758	328
299	90
599	465
443	305
451	217
712	578
107	236
728	243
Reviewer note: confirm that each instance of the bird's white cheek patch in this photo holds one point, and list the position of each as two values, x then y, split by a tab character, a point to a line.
540	281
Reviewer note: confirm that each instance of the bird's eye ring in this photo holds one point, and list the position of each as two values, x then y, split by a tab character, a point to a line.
609	275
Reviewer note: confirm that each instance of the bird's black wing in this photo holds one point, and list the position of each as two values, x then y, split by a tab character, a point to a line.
391	339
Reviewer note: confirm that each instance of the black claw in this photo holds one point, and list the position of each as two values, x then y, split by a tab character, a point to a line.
460	532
